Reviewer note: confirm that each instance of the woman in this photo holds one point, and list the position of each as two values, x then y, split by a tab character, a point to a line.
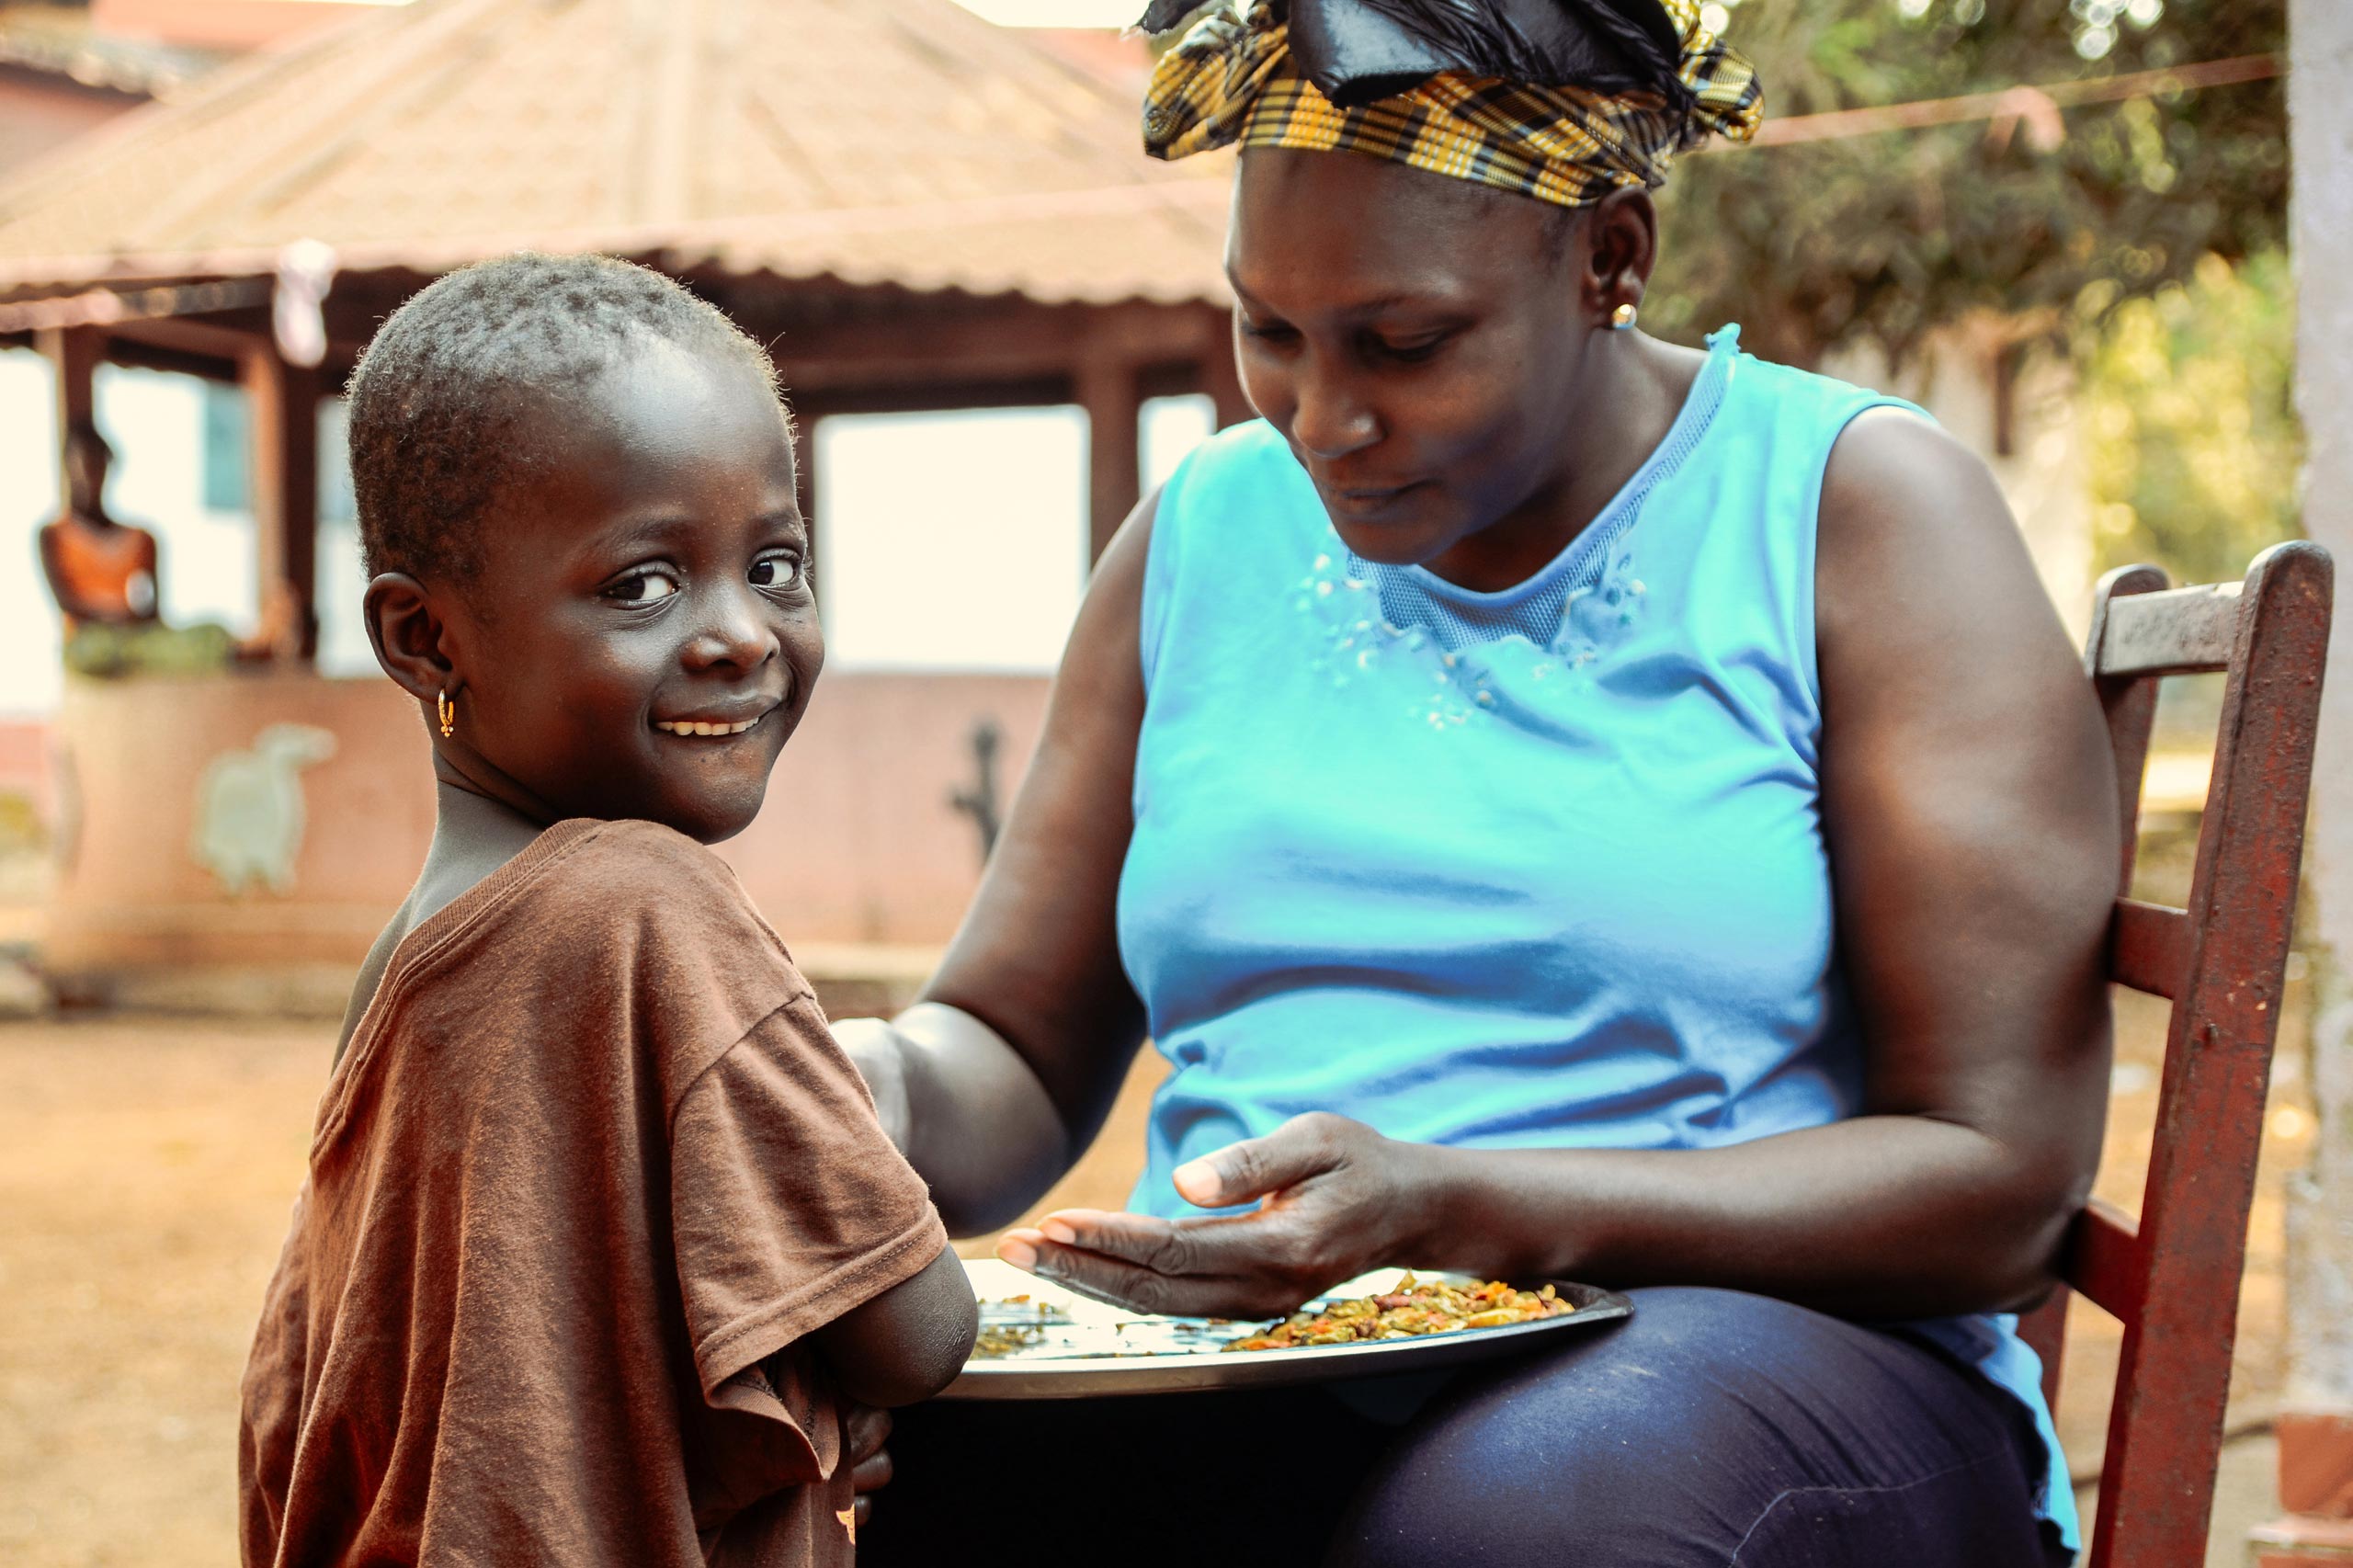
1564	804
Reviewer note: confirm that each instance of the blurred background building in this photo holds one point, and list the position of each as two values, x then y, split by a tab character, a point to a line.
999	322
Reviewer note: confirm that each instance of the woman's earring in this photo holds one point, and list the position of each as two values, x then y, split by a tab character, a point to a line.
449	711
1621	318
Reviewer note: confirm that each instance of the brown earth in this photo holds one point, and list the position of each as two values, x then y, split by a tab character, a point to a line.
146	1166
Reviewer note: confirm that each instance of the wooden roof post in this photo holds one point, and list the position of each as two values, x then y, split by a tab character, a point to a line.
284	403
1222	378
73	353
1113	393
2316	1424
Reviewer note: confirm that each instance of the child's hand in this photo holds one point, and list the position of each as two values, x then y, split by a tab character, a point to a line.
864	1432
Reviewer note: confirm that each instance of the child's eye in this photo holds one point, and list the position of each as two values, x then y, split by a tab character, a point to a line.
644	587
778	571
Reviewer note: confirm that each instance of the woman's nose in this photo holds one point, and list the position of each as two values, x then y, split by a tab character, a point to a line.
1330	421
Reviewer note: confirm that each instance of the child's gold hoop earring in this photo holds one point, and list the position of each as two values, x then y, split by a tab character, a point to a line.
449	711
1621	318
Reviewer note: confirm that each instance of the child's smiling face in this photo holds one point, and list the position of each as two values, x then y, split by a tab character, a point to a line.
644	584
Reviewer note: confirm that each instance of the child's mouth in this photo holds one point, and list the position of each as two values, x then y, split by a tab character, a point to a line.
704	726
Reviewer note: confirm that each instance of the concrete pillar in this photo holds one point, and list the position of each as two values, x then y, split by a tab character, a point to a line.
1222	379
2316	1424
284	399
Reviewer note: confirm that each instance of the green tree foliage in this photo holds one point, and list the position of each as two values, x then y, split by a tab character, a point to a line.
2187	404
1884	236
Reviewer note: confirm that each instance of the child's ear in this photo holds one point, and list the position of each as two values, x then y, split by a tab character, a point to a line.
410	636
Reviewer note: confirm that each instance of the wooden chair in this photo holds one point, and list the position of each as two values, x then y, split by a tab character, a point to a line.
2172	1277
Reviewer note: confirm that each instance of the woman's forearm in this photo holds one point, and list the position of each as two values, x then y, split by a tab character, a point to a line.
965	1109
1878	1217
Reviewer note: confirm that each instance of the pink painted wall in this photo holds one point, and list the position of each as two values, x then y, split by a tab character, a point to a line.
26	769
219	24
858	842
40	113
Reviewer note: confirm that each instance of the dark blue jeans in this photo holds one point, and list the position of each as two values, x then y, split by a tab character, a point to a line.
1710	1428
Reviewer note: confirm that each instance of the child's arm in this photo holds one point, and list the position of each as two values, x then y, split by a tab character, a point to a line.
908	1343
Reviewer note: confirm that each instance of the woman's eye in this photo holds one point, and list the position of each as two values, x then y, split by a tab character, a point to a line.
1413	350
644	587
775	572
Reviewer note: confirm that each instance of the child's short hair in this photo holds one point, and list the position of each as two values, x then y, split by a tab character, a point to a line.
435	403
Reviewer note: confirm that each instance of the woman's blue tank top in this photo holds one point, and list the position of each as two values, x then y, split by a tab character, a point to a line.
1539	868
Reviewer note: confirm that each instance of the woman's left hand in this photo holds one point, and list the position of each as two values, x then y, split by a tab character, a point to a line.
1337	1199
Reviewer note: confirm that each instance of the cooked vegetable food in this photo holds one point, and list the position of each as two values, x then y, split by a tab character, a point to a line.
1013	1323
991	1343
1416	1307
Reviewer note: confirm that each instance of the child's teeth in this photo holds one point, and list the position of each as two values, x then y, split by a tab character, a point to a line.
701	727
698	726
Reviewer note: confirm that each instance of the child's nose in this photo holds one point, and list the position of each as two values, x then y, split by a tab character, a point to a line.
734	631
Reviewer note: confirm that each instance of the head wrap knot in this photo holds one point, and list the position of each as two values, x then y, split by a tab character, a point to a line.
1232	79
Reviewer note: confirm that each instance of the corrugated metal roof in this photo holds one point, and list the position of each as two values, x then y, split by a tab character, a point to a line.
874	140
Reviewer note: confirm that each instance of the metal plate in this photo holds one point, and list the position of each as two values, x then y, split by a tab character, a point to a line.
1087	1349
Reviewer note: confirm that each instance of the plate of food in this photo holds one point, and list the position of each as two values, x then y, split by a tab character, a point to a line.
1039	1341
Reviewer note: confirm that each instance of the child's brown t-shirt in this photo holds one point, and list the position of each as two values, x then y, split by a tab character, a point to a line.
590	1170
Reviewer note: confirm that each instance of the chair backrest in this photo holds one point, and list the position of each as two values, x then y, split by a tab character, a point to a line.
2172	1277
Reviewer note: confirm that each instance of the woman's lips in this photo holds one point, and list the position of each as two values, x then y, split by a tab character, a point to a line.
1370	501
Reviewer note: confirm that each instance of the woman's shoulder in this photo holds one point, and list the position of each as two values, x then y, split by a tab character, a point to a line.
1239	460
1238	496
1793	393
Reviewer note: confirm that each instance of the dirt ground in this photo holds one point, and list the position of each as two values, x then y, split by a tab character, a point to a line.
146	1166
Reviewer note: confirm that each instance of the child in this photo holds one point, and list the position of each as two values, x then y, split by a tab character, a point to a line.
600	1235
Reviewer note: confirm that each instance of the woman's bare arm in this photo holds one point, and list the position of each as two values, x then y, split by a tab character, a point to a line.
998	1079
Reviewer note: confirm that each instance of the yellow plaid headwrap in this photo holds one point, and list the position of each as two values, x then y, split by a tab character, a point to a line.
1232	79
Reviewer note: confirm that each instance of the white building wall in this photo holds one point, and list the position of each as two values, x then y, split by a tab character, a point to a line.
1954	377
2319	1257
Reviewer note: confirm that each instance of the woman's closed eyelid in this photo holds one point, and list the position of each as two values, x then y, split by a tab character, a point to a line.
1412	339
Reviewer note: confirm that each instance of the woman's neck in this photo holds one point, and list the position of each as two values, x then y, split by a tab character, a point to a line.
1628	398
